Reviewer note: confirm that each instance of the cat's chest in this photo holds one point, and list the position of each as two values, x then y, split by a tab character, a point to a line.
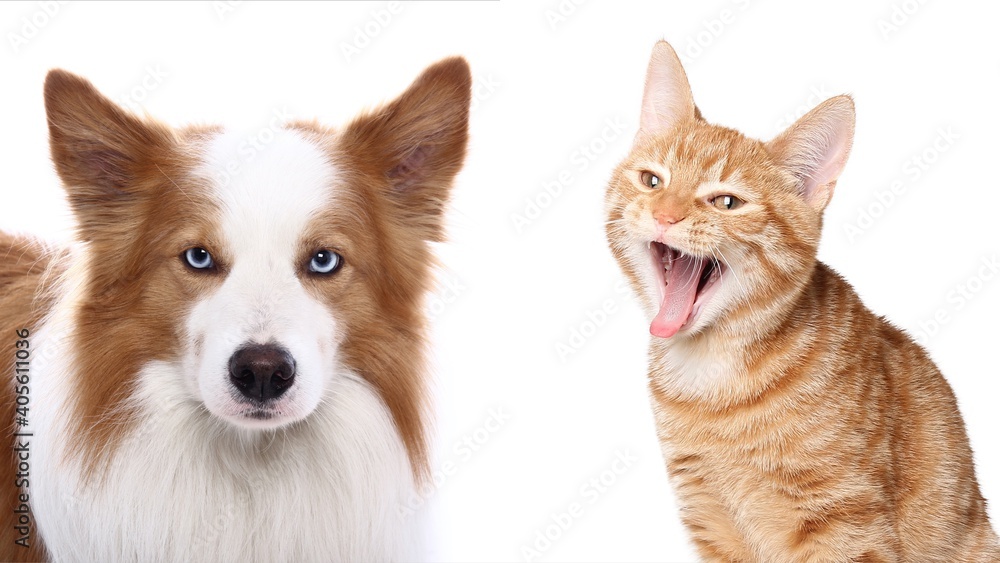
733	477
694	372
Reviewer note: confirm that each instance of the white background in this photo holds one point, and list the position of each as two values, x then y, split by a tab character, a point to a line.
546	86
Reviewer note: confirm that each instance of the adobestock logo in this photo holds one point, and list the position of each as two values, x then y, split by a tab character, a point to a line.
956	299
712	29
580	333
152	80
817	94
913	170
562	521
222	521
899	16
463	450
31	25
366	33
483	88
223	8
561	12
252	145
449	289
580	160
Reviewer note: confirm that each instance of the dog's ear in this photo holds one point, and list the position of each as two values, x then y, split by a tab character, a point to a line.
100	151
417	142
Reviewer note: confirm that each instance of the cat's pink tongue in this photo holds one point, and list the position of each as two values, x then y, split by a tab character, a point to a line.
678	298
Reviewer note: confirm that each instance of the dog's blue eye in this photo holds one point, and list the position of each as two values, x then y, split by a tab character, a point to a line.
324	262
198	258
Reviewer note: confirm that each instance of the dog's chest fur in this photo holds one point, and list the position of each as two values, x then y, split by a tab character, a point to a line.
185	487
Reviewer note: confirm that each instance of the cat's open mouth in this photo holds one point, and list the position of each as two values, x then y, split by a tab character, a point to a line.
687	283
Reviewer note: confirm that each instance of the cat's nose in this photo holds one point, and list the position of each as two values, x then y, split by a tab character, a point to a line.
667	217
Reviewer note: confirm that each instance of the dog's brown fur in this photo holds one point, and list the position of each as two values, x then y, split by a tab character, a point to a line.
24	302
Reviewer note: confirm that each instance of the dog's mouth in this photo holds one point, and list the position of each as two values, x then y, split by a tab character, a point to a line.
259	414
687	283
256	414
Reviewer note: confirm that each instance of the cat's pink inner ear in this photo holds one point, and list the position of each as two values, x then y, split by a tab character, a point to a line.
667	100
815	149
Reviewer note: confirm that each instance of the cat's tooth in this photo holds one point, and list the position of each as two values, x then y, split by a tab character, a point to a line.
715	273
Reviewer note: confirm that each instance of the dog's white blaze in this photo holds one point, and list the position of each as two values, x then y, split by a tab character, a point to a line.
267	198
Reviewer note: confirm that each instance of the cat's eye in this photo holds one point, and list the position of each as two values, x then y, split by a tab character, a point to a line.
198	258
325	262
650	180
727	202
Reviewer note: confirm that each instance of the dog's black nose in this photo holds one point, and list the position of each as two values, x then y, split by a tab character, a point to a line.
262	371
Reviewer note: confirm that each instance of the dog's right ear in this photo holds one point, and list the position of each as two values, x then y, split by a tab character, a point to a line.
100	151
417	144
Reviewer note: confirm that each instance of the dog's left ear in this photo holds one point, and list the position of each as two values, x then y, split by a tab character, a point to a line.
417	142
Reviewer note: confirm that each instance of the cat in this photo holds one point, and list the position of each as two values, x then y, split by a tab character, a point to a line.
796	425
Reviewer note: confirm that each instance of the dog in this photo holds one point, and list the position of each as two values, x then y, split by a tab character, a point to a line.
227	363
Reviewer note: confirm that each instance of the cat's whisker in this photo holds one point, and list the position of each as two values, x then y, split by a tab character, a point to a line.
722	258
620	223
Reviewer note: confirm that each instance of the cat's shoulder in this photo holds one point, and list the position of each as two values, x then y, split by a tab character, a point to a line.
868	322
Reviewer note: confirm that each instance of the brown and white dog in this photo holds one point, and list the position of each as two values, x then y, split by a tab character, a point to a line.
227	365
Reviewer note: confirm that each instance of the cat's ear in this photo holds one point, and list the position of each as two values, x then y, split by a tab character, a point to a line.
667	100
815	148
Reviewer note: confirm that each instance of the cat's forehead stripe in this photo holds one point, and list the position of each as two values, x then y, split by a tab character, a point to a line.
714	166
709	165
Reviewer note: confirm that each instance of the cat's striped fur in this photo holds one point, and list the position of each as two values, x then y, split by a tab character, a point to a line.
796	424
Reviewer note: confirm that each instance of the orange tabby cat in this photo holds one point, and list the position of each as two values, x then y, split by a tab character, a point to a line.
796	424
